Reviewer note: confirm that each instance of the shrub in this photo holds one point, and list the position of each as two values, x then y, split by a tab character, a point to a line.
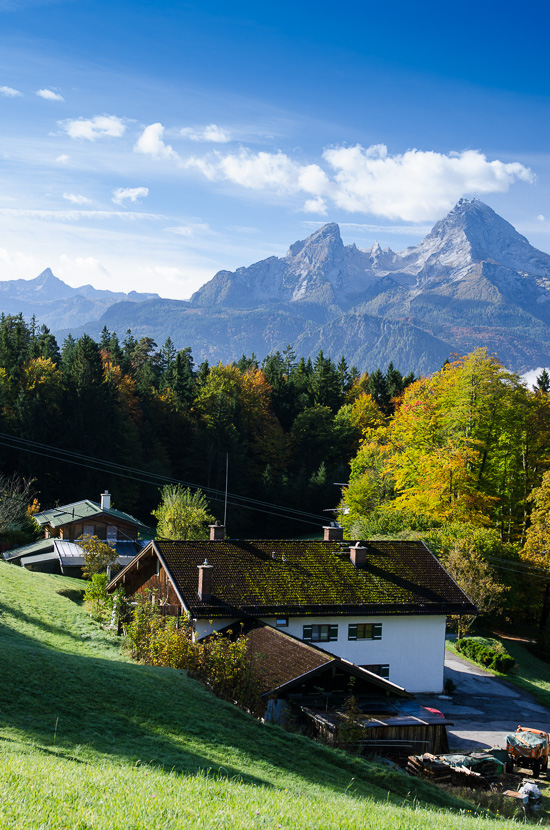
487	652
96	597
221	661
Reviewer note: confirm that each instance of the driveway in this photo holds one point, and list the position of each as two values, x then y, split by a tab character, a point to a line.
484	709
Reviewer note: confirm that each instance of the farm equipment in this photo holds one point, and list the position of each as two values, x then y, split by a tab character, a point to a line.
528	748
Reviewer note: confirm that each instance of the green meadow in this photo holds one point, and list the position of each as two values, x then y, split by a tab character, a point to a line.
91	739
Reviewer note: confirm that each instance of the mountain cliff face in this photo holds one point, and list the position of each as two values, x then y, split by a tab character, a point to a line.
319	269
472	281
471	236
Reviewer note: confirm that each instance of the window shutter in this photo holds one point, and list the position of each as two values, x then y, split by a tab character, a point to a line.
377	631
333	632
352	631
307	633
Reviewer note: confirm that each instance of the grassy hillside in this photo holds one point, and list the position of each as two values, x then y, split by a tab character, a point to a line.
90	739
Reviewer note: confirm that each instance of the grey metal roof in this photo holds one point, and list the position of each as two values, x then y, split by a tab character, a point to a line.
40	546
39	557
68	554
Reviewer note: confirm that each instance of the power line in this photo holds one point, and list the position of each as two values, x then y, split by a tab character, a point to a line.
167	479
153	479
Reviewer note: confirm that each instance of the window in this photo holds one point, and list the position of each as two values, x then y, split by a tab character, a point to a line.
365	631
88	530
281	622
111	533
382	670
320	633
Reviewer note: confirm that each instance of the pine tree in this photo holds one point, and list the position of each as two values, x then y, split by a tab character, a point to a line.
542	384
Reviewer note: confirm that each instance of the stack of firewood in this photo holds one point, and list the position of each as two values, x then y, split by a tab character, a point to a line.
439	769
428	766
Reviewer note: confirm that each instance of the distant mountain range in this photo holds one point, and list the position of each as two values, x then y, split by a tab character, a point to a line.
472	281
58	305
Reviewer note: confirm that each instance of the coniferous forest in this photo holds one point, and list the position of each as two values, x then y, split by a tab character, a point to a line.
460	459
285	429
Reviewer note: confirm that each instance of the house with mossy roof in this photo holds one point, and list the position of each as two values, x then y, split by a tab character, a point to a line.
381	605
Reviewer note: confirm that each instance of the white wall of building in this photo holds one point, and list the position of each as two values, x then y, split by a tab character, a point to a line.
413	647
204	627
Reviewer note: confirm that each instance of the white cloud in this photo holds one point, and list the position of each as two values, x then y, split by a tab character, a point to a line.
541	218
150	143
9	92
76	199
101	126
530	378
416	185
62	158
317	205
170	273
77	215
261	171
192	229
130	194
89	264
243	229
49	95
212	132
16	259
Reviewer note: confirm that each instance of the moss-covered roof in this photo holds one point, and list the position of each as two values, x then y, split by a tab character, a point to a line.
264	578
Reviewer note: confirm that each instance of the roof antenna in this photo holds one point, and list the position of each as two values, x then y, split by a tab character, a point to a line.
226	483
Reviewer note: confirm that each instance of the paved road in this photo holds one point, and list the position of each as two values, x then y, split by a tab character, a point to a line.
484	708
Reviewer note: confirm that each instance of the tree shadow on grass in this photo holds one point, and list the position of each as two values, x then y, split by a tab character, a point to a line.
47	627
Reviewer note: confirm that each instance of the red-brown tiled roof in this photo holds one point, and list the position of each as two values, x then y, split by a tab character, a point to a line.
284	661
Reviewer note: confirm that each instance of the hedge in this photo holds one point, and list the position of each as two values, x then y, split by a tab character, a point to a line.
487	652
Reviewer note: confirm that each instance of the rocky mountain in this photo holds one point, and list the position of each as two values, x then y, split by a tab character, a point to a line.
473	280
58	305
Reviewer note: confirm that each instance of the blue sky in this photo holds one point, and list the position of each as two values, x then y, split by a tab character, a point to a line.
147	146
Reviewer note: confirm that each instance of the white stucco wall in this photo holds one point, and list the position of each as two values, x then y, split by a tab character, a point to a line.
414	647
204	627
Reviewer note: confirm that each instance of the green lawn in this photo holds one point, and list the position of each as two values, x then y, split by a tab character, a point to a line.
529	673
91	739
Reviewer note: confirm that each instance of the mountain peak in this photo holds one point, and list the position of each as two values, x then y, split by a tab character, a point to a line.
487	235
319	246
47	275
52	285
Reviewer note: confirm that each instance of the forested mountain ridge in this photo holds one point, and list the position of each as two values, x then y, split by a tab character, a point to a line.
472	281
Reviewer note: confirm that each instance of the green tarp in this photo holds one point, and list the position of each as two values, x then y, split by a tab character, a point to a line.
526	743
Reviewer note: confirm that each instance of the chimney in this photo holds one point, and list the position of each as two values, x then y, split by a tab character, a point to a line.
333	533
217	532
358	555
205	581
105	500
